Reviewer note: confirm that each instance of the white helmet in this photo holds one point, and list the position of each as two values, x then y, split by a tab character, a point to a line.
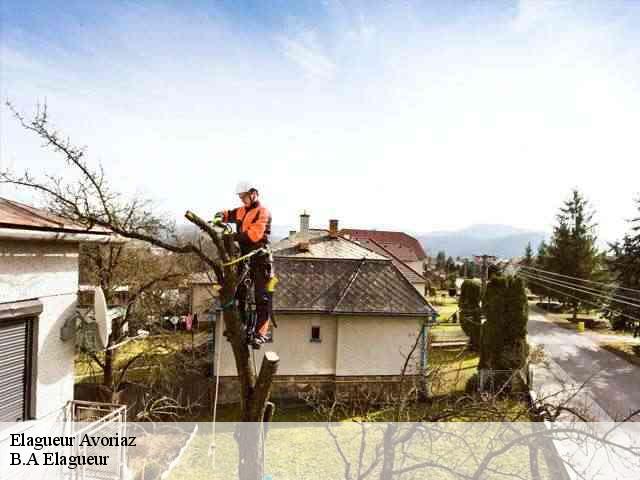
244	187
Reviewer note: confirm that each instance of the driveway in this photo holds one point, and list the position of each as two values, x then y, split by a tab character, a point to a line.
612	382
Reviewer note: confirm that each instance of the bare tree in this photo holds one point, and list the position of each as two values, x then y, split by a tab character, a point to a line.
396	437
146	277
86	197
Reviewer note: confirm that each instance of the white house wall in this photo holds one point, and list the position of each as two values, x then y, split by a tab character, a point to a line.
374	345
291	340
350	346
48	271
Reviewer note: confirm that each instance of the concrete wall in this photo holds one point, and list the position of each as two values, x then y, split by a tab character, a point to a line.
201	296
374	345
48	271
351	345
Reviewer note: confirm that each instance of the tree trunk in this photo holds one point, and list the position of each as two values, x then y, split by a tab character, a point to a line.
254	390
107	374
388	452
250	432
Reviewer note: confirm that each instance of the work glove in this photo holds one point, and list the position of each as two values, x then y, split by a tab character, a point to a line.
218	218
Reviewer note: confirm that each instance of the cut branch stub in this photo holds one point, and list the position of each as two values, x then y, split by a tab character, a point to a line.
262	389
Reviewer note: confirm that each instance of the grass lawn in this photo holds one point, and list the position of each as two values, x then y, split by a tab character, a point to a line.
156	346
453	366
320	450
444	304
630	352
591	318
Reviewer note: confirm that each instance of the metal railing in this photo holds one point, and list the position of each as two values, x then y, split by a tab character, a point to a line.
97	421
497	381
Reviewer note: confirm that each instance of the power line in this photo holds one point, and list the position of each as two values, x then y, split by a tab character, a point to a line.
613	296
606	297
608	285
585	301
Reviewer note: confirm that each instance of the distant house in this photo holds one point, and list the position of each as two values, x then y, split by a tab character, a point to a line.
38	298
346	316
202	294
413	277
401	245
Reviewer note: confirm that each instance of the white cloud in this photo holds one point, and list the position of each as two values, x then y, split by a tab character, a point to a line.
462	124
533	13
303	49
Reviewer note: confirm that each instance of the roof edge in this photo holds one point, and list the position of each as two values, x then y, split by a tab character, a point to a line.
396	258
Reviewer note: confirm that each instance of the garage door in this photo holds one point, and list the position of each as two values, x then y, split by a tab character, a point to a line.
14	369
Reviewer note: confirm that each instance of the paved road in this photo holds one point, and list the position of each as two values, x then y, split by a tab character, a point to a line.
613	382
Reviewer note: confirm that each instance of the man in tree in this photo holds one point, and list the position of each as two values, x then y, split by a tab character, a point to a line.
253	226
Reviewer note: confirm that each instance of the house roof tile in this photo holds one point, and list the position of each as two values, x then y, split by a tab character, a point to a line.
400	244
345	287
15	215
409	273
320	245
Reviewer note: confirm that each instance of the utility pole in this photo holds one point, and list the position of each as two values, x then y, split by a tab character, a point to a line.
485	268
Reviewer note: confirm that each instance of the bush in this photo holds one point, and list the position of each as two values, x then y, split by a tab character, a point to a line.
504	337
471	386
470	296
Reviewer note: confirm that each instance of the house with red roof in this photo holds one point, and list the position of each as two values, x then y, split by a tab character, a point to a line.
400	245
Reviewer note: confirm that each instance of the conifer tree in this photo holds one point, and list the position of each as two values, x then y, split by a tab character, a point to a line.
572	251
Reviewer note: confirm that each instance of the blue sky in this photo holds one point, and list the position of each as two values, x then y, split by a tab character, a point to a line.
411	115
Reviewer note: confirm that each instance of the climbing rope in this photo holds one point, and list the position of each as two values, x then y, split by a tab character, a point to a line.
246	256
251	318
212	447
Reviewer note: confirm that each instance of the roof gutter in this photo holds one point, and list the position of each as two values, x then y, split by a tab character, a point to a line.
60	236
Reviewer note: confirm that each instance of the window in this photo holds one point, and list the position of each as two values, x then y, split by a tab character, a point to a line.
315	334
18	328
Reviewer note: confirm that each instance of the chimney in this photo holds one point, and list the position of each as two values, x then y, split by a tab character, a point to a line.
292	234
333	228
304	223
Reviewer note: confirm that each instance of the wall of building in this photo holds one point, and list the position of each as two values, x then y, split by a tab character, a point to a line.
48	271
350	346
420	286
374	345
418	266
291	340
201	296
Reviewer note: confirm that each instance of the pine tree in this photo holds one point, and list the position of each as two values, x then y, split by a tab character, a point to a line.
528	256
625	269
451	265
541	262
572	250
441	260
470	313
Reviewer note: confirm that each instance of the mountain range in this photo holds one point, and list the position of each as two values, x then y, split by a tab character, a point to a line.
503	241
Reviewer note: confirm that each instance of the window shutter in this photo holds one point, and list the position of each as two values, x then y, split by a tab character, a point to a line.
14	337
